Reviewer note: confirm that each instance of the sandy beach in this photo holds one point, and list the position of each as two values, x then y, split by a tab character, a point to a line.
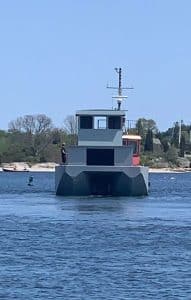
169	170
50	167
22	166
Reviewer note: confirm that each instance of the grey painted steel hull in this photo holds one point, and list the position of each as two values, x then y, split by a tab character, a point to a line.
75	180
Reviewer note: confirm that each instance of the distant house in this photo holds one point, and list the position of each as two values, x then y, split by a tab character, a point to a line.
157	146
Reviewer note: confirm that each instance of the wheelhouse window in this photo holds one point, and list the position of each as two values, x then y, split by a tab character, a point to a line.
86	122
100	122
114	122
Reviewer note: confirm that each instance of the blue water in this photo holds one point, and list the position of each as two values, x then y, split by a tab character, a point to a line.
94	248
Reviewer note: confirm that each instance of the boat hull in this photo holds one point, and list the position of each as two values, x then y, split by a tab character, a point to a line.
75	180
12	170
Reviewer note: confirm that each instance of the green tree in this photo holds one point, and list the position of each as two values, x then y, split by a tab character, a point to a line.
175	135
32	133
165	144
70	127
182	145
172	155
143	125
149	141
140	128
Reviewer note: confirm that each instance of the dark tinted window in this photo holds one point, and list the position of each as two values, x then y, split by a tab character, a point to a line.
134	145
114	122
86	122
101	157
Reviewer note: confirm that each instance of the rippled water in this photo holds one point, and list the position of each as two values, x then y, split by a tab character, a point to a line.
94	248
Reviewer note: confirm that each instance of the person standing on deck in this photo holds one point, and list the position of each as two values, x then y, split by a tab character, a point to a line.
63	153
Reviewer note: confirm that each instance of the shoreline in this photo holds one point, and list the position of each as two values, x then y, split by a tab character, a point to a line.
23	167
169	170
50	167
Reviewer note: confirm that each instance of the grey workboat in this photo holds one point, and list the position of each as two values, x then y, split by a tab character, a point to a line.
106	160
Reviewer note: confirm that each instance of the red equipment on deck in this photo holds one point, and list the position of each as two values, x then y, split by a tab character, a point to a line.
135	140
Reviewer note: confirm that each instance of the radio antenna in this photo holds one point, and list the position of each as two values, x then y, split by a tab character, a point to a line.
119	97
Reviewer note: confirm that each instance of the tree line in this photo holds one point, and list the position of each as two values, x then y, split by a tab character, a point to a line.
34	138
171	145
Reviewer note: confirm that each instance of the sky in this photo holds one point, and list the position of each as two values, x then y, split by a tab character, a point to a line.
58	56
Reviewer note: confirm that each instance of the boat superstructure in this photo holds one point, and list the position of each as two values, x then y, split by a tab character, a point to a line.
102	163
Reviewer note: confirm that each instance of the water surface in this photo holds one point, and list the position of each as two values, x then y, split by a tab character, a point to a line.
94	248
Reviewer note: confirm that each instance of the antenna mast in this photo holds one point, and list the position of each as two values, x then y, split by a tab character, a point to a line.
119	97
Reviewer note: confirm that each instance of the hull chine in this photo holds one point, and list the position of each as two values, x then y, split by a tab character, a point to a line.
105	181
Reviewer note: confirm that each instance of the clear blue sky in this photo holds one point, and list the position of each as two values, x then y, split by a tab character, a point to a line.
58	56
